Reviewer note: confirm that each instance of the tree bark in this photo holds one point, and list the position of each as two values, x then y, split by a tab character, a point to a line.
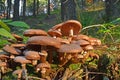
24	8
112	10
68	10
34	8
16	10
48	7
8	8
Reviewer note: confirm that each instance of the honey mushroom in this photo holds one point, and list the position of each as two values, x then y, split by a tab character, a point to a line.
68	52
44	41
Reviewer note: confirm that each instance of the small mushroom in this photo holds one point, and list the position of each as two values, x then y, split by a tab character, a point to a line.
18	73
80	36
33	56
3	57
44	69
81	42
34	32
54	33
19	38
3	65
22	60
11	50
94	41
57	27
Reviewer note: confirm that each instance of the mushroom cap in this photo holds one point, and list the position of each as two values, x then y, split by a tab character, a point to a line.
3	64
43	65
19	71
88	47
94	41
70	48
21	59
32	55
80	36
57	27
44	40
3	56
10	50
63	41
18	45
19	38
81	42
54	33
34	32
71	24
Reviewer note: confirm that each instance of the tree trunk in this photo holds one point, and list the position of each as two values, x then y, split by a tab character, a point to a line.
112	10
24	8
8	8
16	10
48	7
34	8
37	7
62	10
71	10
68	10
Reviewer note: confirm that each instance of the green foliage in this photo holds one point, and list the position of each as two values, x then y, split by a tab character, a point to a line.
3	25
18	24
74	66
5	33
116	21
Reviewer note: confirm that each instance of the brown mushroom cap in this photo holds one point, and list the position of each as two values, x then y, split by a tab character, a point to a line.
3	56
54	33
18	45
21	59
57	27
19	71
81	42
94	41
80	36
70	48
43	65
88	47
19	38
34	32
63	41
32	55
71	24
10	50
44	40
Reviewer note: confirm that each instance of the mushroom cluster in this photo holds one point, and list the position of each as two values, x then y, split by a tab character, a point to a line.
63	41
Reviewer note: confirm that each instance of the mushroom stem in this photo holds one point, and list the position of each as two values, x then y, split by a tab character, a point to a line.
71	32
54	37
23	66
34	62
2	69
12	56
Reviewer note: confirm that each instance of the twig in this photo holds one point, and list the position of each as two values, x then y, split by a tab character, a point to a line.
87	27
65	76
57	72
32	77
